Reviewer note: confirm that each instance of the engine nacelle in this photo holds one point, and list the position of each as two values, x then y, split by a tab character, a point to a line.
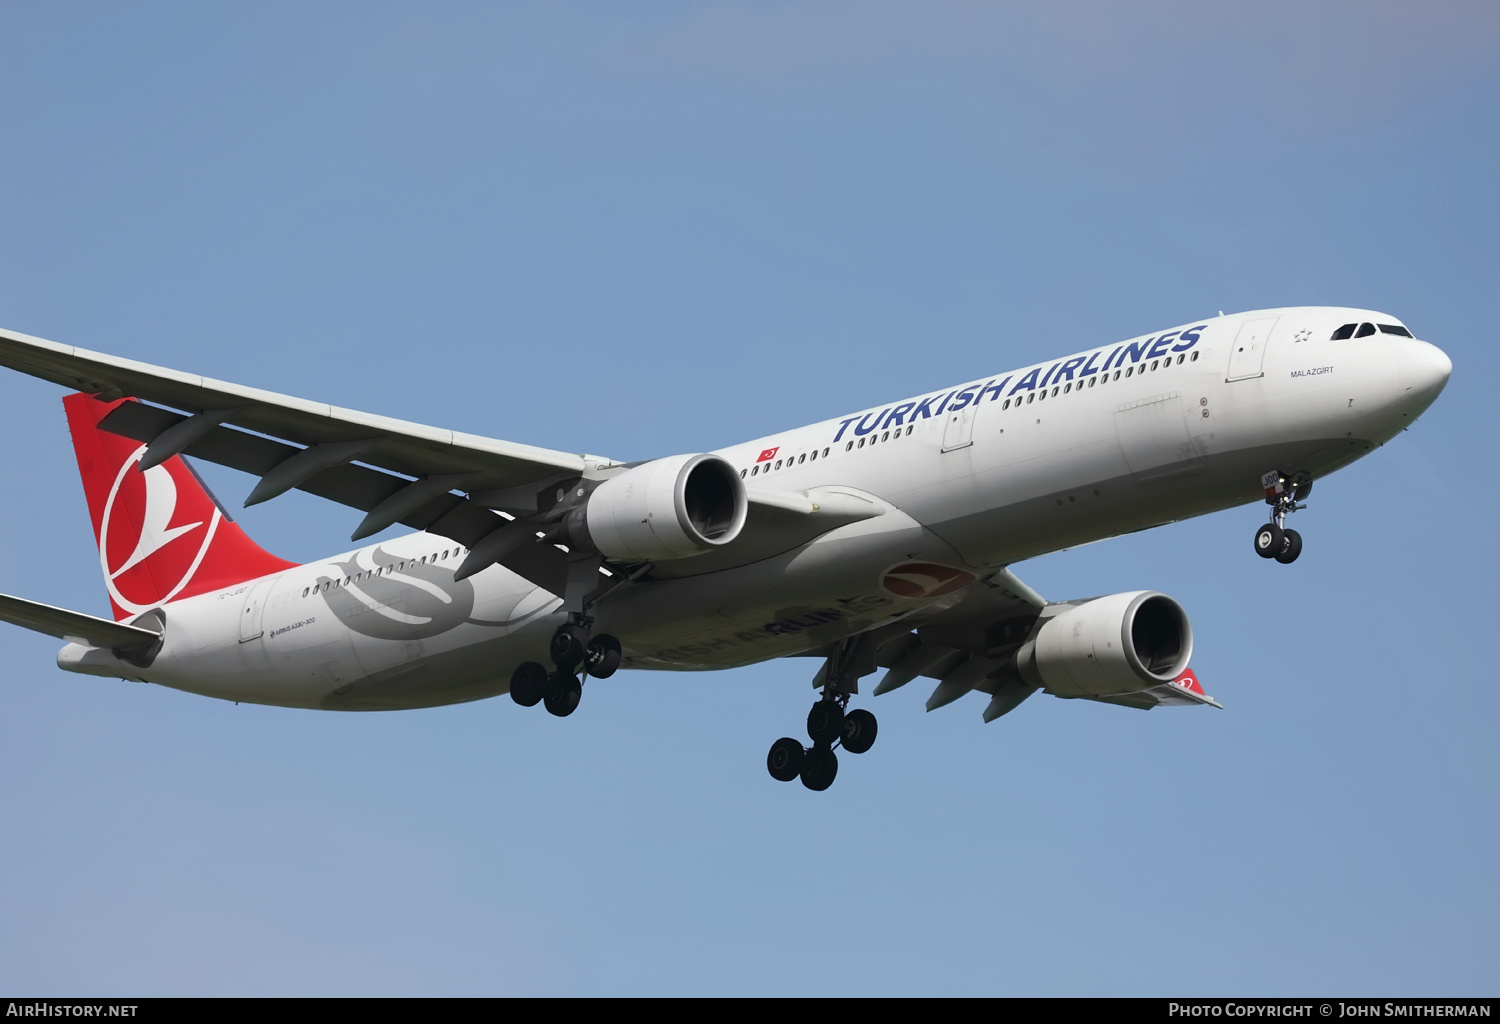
1113	644
669	508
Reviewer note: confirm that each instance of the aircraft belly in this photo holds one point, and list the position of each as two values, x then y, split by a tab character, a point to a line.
835	586
409	643
1095	509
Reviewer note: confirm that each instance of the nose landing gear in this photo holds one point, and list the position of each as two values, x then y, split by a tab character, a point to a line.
1284	492
829	722
576	655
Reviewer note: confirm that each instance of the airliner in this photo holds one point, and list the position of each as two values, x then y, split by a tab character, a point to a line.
879	540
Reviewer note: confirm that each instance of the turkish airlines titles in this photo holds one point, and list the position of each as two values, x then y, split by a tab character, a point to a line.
1074	368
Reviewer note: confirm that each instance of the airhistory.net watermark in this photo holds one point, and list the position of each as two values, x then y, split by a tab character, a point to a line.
42	1008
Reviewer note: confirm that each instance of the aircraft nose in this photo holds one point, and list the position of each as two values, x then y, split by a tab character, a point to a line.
1424	370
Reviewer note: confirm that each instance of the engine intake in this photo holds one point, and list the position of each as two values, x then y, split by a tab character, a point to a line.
669	508
1115	644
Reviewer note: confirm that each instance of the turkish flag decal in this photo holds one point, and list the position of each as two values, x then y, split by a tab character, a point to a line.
768	454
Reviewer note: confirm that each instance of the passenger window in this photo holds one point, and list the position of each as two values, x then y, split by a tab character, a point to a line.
825	453
1180	359
1117	375
755	470
801	459
1043	395
1005	405
849	447
1153	364
1093	381
1054	392
909	430
815	455
1396	329
1365	330
1194	359
861	442
304	591
1067	387
1030	398
1343	333
1128	371
744	473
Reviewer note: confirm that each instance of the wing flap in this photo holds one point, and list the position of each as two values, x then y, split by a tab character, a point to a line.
74	627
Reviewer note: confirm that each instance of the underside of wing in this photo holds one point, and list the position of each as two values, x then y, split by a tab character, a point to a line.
967	642
987	638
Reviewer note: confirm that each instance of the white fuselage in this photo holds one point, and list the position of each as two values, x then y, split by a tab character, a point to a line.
974	477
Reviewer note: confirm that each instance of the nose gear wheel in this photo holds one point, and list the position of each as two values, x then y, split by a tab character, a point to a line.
1284	493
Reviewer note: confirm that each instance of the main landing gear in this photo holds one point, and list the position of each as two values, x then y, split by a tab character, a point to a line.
1284	492
828	723
575	655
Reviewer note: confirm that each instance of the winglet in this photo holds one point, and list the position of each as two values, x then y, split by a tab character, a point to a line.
1189	681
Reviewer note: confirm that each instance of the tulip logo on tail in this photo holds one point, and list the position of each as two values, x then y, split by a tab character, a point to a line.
161	534
921	581
143	567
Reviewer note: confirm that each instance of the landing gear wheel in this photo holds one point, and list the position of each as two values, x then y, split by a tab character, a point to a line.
825	723
1291	547
563	695
568	646
819	768
602	656
859	731
528	684
784	762
1268	540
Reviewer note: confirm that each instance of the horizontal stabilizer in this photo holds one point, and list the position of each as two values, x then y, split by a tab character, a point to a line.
74	627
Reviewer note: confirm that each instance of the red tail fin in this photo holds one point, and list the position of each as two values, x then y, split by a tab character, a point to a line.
162	535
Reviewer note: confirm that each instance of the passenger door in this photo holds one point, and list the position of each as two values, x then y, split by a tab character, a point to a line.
1249	349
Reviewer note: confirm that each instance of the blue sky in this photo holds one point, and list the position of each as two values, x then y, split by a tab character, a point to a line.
642	230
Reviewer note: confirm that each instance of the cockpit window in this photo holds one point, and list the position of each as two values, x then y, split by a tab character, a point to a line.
1396	329
1344	332
1365	330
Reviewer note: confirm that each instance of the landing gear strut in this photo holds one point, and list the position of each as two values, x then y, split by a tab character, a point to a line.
1284	493
829	722
575	655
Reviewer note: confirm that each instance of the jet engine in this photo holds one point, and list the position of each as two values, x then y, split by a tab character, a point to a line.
1109	645
669	508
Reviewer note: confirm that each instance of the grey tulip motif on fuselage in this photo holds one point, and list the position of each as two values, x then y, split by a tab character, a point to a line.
399	599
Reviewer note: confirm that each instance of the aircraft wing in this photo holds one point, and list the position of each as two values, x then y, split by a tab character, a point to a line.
408	472
74	627
967	643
